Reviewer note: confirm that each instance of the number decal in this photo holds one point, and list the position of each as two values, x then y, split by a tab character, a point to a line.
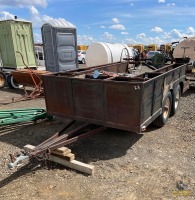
137	87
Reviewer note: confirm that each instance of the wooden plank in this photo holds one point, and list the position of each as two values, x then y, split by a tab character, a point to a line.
62	149
74	164
29	147
68	157
61	153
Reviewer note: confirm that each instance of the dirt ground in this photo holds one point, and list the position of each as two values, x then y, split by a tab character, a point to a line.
158	164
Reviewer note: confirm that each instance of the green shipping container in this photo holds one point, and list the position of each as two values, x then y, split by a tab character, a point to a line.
16	36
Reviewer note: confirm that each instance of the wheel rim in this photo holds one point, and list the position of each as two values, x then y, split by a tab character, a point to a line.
167	108
177	96
2	79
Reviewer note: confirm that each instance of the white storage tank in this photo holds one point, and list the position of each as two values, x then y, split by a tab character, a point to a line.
100	53
185	48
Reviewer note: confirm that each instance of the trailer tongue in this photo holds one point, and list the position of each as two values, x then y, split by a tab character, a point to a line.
59	139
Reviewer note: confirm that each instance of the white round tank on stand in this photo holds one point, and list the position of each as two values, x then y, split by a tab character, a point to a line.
185	48
100	53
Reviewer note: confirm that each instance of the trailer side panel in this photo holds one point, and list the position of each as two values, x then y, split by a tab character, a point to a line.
123	105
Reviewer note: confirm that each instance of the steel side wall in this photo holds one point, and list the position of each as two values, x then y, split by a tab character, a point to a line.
109	103
156	89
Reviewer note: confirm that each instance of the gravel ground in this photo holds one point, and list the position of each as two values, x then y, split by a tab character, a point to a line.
154	165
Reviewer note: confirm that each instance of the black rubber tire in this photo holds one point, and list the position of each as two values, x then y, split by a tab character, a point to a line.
11	83
162	119
2	80
50	117
175	102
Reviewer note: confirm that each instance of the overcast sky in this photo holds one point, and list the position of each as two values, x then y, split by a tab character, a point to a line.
114	21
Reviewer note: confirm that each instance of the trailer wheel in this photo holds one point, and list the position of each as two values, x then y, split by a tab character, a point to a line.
2	80
162	119
11	83
176	97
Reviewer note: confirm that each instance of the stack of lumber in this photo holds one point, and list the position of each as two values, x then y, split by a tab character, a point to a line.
64	153
64	157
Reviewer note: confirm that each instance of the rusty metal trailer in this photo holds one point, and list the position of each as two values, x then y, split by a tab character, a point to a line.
107	96
121	101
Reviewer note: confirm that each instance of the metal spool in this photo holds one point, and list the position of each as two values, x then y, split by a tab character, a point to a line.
158	61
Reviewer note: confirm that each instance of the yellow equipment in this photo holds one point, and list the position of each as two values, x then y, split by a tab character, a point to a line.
152	47
166	48
139	47
82	47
